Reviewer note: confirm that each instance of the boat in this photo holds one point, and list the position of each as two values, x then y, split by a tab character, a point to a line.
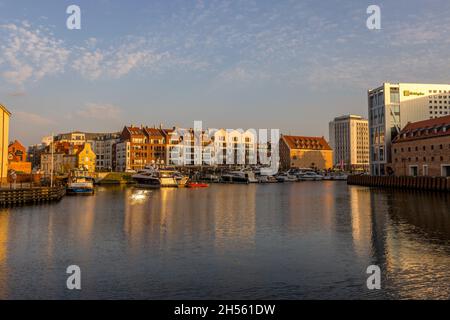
210	177
267	179
340	177
310	176
286	177
79	182
197	185
151	177
240	176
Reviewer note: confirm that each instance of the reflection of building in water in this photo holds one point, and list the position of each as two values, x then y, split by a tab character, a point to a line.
361	220
413	238
4	234
85	221
234	211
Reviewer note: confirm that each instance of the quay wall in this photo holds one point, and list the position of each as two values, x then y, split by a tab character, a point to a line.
416	183
31	195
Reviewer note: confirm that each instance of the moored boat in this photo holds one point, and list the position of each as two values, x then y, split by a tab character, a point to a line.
151	177
79	182
197	185
310	176
240	176
267	179
286	177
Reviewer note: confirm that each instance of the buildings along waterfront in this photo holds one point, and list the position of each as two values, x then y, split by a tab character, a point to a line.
423	149
392	106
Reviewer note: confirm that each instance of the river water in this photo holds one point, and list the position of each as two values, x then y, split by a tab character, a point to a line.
307	240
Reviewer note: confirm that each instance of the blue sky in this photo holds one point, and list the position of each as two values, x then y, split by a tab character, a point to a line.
292	65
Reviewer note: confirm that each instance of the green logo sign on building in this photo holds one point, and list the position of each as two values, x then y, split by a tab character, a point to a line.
408	93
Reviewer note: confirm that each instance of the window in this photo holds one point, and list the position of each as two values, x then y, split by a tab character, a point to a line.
445	170
413	171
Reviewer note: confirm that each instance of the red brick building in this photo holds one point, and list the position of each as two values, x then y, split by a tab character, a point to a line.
423	149
17	152
17	158
147	145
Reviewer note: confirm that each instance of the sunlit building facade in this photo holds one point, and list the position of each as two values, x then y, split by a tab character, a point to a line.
349	139
4	137
392	106
305	152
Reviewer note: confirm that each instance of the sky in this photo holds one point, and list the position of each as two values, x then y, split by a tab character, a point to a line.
288	65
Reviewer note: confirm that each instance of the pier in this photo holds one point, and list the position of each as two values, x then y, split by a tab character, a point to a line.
416	183
31	195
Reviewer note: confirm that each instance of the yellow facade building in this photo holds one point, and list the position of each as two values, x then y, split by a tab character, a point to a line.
4	137
86	158
305	152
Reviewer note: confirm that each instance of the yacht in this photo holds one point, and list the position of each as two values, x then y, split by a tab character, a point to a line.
240	176
310	176
151	177
340	177
286	177
267	179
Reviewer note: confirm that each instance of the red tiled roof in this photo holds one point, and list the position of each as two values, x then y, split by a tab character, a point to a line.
431	123
136	131
154	132
424	129
300	142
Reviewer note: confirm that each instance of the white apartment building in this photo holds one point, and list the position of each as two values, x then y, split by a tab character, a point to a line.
392	106
217	147
123	156
349	139
234	147
104	149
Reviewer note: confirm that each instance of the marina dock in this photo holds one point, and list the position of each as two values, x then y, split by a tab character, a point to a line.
31	195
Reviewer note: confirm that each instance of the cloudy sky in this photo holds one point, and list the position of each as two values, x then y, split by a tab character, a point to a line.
292	65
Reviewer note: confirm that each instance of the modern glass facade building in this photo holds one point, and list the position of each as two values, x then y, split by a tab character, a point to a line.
392	106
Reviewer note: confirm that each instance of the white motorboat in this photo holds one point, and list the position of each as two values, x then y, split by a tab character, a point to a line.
340	177
310	176
151	177
240	176
267	179
286	177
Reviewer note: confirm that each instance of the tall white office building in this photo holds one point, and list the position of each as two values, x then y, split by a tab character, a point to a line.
392	106
349	139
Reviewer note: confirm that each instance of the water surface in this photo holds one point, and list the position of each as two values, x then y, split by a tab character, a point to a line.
307	240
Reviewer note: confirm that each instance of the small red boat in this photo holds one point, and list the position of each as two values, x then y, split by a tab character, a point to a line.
197	185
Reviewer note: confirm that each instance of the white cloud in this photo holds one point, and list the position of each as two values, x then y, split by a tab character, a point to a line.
117	62
19	75
30	54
